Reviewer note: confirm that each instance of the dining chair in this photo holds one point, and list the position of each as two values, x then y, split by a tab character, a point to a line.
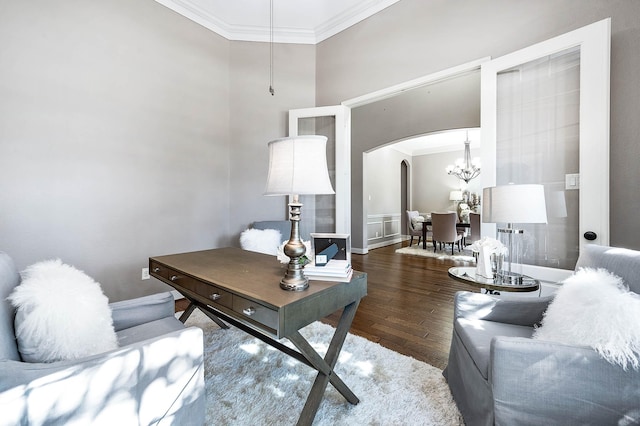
474	229
463	231
414	228
443	228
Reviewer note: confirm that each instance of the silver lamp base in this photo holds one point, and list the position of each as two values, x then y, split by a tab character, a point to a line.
294	279
294	284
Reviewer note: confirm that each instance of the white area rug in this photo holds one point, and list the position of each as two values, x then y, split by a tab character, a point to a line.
248	382
465	255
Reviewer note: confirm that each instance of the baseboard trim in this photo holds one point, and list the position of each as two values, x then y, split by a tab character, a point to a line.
358	250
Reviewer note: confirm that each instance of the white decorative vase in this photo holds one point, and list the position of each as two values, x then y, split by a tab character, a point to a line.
483	266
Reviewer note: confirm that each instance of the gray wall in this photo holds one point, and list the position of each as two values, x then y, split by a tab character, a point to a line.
382	182
413	38
128	131
114	137
431	185
257	118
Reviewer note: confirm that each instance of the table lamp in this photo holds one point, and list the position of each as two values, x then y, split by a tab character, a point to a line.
455	196
513	204
297	166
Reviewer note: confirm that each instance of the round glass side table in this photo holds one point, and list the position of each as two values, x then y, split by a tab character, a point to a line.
492	285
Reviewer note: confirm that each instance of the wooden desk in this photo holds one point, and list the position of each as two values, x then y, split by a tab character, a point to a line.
428	222
240	287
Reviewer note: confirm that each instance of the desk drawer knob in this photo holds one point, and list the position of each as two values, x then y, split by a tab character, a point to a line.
173	278
249	311
215	296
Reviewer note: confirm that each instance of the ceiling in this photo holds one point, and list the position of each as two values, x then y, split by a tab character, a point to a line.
294	21
449	140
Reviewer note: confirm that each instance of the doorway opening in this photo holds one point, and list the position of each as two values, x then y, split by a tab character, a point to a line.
405	194
422	183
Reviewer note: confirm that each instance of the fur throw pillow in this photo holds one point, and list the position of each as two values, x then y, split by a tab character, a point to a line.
61	314
264	241
595	308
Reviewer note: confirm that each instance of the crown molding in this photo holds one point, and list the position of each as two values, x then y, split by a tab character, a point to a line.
351	17
327	29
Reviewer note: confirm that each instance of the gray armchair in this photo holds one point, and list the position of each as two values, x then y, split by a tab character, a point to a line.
499	375
156	376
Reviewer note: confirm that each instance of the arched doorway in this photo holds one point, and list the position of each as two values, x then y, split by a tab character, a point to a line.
405	196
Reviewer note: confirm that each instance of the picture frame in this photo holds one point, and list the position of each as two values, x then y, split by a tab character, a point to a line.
321	242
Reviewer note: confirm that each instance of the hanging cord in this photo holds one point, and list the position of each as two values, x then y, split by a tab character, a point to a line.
271	50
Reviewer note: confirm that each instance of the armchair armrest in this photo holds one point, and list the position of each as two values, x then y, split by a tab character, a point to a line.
521	311
149	381
542	382
129	313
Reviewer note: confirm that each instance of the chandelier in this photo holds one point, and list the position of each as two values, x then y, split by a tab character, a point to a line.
465	169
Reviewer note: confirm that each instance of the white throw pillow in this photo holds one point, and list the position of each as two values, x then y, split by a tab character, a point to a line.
595	308
61	314
264	241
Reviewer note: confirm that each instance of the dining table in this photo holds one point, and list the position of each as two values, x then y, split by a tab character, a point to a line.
427	222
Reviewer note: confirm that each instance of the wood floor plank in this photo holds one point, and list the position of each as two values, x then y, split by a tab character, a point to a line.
409	306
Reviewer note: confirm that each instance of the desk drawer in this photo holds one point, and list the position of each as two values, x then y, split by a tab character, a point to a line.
210	292
255	312
159	270
215	294
180	280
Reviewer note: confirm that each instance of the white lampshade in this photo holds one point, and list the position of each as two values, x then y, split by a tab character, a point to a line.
298	165
514	204
455	196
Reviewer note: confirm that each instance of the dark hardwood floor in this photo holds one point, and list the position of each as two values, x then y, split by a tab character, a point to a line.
409	306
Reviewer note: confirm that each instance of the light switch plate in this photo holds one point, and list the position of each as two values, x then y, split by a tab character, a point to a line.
572	181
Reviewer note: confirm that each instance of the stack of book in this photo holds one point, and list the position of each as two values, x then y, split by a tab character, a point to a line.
334	270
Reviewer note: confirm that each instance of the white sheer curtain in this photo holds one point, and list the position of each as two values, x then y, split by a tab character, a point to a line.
537	142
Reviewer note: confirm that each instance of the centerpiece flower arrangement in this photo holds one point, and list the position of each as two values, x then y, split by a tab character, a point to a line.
490	255
474	202
463	211
490	244
470	203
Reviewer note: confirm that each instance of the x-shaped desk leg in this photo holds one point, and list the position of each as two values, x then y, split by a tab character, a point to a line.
325	366
192	306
